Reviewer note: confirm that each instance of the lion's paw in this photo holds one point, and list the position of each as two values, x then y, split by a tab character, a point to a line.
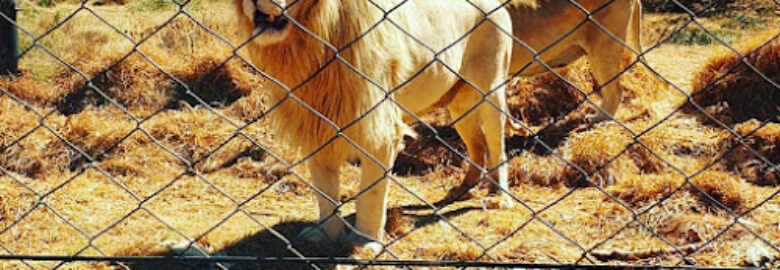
368	251
460	194
374	248
499	202
365	247
506	202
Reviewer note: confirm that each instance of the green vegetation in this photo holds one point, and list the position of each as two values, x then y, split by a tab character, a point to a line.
730	28
151	5
697	36
741	21
47	3
698	6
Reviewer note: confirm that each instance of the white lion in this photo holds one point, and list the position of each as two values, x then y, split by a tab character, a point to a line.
348	71
560	32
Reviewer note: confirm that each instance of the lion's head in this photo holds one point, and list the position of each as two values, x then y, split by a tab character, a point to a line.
265	19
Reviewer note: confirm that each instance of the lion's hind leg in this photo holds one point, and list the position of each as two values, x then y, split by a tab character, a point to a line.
605	53
463	109
486	65
480	126
605	60
493	122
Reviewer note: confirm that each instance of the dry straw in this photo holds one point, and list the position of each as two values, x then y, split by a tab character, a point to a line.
685	176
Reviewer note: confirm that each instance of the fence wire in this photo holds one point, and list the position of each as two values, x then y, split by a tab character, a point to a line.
190	252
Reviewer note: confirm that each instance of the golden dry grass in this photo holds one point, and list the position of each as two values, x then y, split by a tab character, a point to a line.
720	87
148	161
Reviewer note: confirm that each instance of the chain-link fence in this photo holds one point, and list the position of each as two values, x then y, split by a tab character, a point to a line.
136	134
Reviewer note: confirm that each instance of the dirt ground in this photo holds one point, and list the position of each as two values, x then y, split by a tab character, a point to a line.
174	149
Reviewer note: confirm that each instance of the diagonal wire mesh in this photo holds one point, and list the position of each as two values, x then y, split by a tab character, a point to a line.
138	135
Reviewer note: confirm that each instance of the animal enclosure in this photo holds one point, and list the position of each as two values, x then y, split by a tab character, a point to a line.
135	136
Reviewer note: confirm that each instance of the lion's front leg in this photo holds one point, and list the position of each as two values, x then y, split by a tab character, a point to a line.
325	176
372	203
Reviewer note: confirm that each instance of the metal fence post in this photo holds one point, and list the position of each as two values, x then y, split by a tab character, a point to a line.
9	45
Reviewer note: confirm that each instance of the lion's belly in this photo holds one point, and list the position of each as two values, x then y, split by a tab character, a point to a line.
425	90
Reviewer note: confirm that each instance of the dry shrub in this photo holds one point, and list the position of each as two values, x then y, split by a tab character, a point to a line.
593	150
217	82
249	168
545	98
90	193
46	151
109	137
698	5
548	105
606	154
731	92
398	224
430	151
134	83
31	90
551	107
639	86
174	130
142	167
15	127
181	48
645	187
39	153
764	140
681	143
143	89
91	131
690	138
543	170
720	186
249	109
15	200
679	221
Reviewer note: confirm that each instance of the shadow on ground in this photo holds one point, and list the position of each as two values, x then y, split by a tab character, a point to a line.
281	241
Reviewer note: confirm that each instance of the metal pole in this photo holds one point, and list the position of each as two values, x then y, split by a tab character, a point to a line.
9	45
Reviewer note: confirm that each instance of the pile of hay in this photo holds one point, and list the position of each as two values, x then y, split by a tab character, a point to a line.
764	141
545	98
747	100
732	92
